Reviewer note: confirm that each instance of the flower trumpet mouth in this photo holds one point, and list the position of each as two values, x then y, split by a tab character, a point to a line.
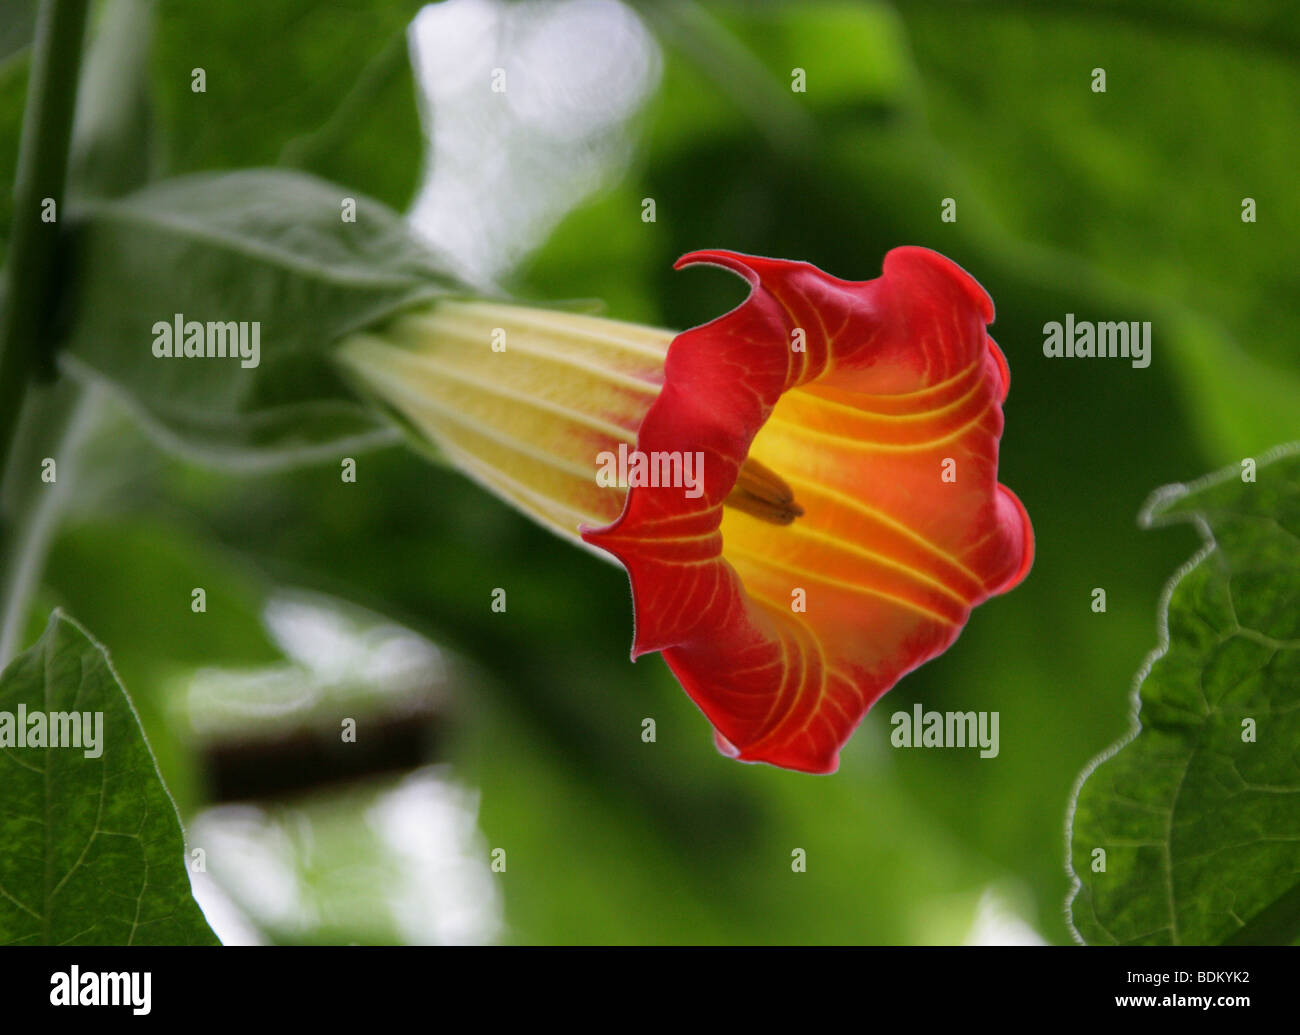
785	604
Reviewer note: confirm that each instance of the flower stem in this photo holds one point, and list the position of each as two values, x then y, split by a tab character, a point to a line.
30	285
29	279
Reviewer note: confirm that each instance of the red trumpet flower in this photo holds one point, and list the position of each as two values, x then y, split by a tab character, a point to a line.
851	514
810	505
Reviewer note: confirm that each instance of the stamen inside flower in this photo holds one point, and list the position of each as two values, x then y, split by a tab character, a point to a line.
761	493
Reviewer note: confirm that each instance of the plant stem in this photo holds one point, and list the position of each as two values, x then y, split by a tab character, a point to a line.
65	414
28	290
29	280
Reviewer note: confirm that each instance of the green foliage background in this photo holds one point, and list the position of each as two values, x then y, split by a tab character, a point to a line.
1118	206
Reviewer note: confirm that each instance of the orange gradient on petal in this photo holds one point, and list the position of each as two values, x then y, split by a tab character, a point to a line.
785	634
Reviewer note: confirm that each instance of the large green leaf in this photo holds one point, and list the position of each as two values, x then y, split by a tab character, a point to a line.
1198	813
326	88
94	853
262	246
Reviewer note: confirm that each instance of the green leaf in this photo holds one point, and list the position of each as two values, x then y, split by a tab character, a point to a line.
1201	95
112	140
152	563
1198	811
13	95
326	88
17	25
261	247
1276	924
94	853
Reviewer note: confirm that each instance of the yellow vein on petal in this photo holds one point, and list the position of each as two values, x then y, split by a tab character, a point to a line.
462	336
801	530
770	733
818	402
605	332
418	402
866	446
933	389
520	493
890	521
574	416
763	561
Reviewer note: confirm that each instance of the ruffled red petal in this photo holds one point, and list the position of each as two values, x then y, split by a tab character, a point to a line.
897	382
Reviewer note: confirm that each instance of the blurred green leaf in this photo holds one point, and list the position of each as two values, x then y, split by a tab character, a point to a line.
326	88
13	97
94	853
1196	813
384	861
132	580
112	140
258	247
1146	181
17	26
